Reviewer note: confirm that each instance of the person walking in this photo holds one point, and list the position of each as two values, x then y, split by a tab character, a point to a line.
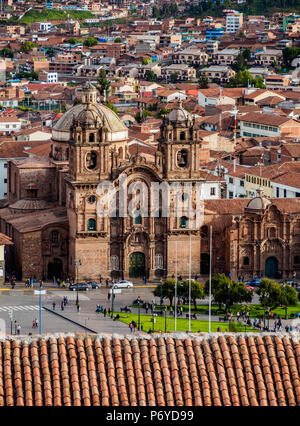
108	297
53	306
131	327
78	308
62	306
18	329
104	312
146	308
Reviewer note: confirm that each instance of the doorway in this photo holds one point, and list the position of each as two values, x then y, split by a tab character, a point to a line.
204	266
271	270
137	265
55	268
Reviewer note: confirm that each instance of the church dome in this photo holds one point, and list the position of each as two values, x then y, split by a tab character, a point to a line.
88	112
179	114
259	202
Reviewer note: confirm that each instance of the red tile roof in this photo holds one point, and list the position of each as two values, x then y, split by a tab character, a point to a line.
216	370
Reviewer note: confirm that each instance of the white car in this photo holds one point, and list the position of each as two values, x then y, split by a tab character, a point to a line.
123	284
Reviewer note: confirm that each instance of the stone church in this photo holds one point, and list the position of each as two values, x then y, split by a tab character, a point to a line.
53	221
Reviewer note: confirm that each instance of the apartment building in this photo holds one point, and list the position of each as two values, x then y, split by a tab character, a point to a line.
183	71
234	21
194	57
225	56
217	73
267	57
268	125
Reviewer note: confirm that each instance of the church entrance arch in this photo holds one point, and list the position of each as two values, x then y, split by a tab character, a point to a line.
271	270
137	265
204	267
55	268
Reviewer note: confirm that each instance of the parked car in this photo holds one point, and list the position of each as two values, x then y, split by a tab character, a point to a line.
94	284
122	284
253	283
79	287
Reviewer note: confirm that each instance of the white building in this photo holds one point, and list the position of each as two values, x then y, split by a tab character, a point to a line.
10	124
234	21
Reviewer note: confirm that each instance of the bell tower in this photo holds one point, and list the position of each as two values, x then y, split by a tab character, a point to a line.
89	147
180	144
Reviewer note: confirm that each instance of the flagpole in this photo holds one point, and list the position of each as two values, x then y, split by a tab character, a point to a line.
175	307
190	283
210	256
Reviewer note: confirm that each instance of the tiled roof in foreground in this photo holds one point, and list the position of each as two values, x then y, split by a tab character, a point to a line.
167	370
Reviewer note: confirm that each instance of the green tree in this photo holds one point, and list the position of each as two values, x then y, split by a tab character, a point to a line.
150	76
272	294
74	41
28	45
166	290
239	64
103	83
174	77
118	40
7	53
247	54
228	292
203	81
90	41
146	61
197	291
289	54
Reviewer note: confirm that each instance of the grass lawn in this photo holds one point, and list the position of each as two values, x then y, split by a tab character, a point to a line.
255	311
182	324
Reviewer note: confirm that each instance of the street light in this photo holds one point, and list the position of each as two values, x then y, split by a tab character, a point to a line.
139	313
77	263
165	319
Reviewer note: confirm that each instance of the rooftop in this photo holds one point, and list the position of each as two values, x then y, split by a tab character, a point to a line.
158	370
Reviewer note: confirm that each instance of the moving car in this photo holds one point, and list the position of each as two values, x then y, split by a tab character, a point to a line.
94	284
254	283
79	287
122	284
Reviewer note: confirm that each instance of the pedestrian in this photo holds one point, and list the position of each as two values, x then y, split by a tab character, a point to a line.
145	280
19	328
146	307
15	326
171	310
149	331
104	312
53	306
196	277
134	326
106	282
78	308
62	306
181	310
108	297
131	327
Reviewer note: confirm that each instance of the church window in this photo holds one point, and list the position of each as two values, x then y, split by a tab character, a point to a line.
92	137
91	225
182	158
246	261
91	160
183	222
54	237
296	260
182	136
91	199
138	219
114	263
272	232
159	261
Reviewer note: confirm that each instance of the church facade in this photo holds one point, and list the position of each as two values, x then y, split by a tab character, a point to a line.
53	213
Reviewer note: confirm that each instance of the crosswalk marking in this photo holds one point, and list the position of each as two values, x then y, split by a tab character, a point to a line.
20	308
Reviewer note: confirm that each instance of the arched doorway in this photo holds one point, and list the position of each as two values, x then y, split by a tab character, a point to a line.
204	267
137	265
55	268
271	270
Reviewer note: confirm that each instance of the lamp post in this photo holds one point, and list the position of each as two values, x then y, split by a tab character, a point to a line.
77	263
139	315
165	319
